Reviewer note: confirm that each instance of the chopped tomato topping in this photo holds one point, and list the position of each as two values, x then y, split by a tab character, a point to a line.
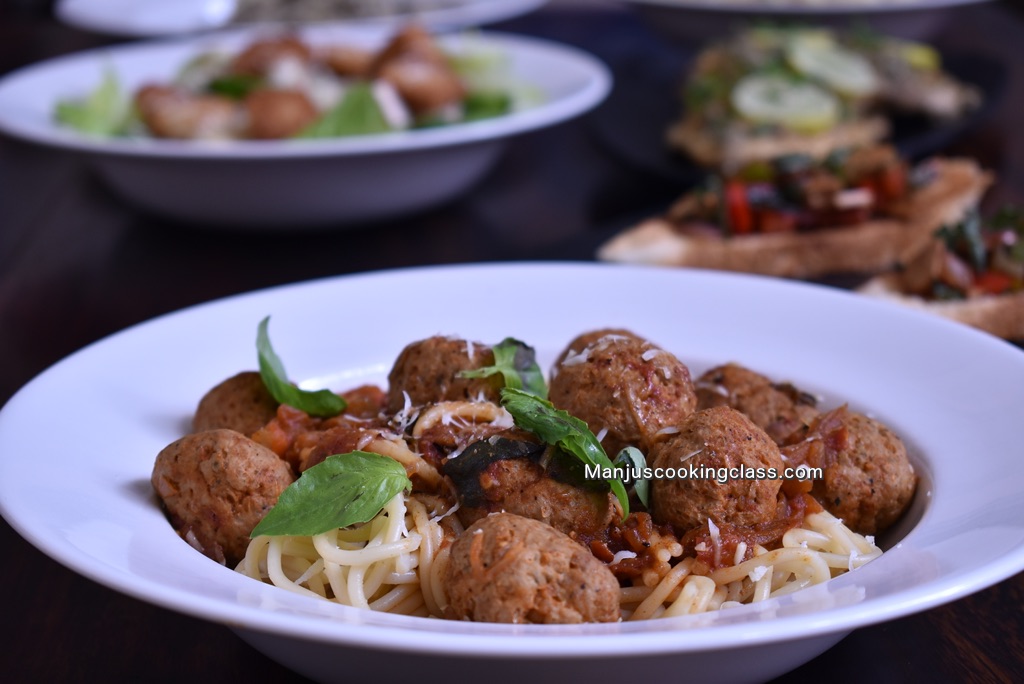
993	282
741	218
889	183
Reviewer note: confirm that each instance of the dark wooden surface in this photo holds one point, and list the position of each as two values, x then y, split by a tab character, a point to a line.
77	264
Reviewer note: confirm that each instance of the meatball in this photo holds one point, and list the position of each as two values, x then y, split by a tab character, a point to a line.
241	403
215	486
428	372
625	388
531	480
274	114
260	57
419	70
870	482
170	112
348	61
510	569
714	438
780	410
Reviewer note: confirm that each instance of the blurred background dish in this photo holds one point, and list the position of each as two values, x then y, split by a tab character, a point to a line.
659	68
692	21
251	184
148	18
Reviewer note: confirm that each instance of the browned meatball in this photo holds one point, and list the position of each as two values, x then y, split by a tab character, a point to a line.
419	70
870	482
348	61
259	57
428	372
170	112
510	569
215	486
274	114
780	410
531	480
719	437
624	387
241	403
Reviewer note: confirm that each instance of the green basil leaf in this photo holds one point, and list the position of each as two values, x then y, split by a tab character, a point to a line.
357	114
323	403
517	362
486	104
235	86
343	490
563	430
633	458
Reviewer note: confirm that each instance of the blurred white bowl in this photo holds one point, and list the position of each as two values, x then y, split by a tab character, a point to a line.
265	184
149	18
951	392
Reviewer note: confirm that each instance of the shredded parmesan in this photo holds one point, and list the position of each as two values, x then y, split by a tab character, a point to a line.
575	359
741	550
621	555
757	573
405	417
716	541
439	518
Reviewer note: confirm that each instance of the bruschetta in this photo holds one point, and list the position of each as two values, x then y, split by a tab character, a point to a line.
860	212
767	92
973	272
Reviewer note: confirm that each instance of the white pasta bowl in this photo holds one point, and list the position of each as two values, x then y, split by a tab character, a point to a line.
294	183
946	389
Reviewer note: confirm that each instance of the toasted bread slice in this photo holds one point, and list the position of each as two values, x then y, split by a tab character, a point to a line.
863	248
737	145
999	315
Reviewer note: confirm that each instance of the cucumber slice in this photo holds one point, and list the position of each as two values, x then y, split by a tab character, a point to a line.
847	72
799	106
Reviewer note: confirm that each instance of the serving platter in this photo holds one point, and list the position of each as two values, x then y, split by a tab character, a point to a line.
691	21
949	391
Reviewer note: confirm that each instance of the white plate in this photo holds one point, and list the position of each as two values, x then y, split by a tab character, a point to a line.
148	18
252	184
693	21
807	7
951	392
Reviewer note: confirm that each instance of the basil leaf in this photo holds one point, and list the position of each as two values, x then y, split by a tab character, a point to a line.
322	403
343	490
235	86
633	458
357	114
517	362
485	104
563	430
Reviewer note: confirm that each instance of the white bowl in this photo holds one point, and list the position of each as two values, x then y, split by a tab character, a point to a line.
146	18
293	183
952	393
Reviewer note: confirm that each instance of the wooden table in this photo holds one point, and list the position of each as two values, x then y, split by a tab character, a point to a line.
77	264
